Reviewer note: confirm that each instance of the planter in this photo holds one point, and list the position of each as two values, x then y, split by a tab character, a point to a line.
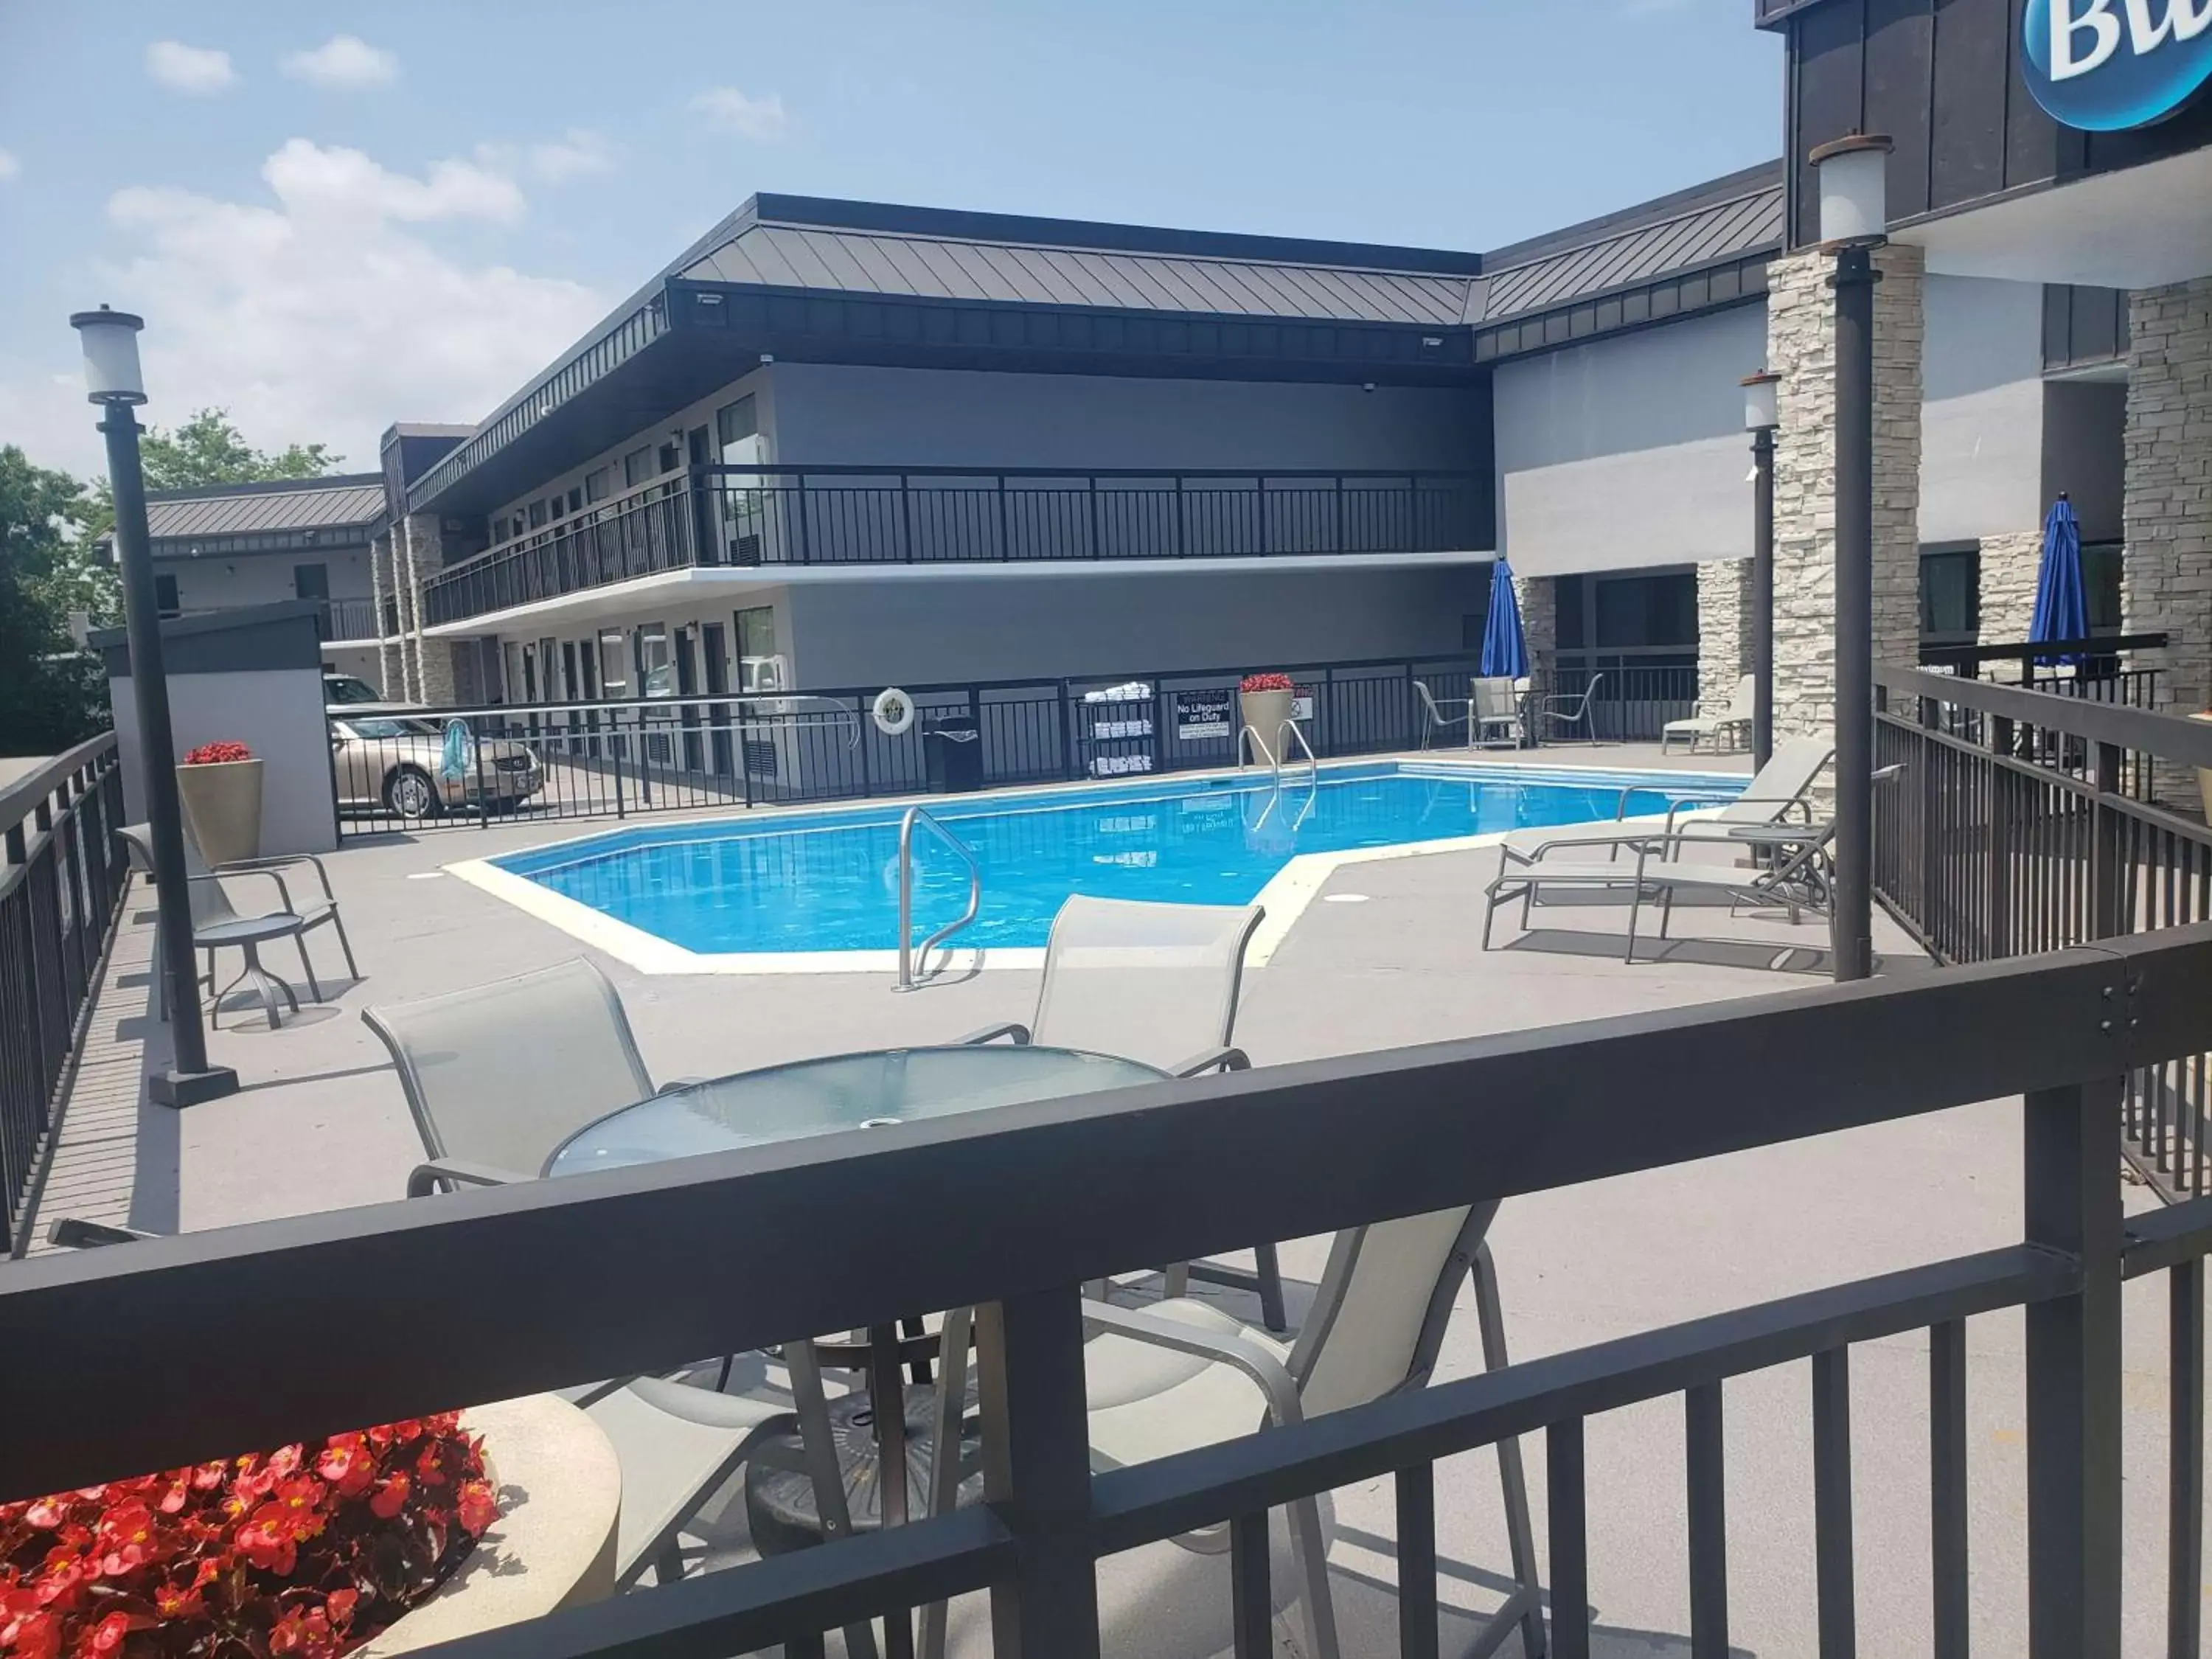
553	1546
223	806
1265	713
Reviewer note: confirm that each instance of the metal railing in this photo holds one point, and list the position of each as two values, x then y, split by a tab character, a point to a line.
348	619
909	953
2026	822
777	516
1634	699
61	889
504	1291
699	752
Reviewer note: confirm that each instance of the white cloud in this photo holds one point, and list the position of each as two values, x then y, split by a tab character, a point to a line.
343	60
577	154
9	167
200	70
728	110
315	312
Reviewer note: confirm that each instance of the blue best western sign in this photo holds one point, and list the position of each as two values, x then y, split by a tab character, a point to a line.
2106	65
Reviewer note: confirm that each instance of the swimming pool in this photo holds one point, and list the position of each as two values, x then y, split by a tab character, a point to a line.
828	881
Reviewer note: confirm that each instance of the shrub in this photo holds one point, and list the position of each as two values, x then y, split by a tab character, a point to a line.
1267	682
216	754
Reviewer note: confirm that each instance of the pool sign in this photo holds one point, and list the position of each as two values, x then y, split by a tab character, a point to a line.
1203	714
2107	65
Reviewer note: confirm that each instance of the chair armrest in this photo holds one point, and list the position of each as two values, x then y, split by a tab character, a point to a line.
277	861
1014	1028
1223	1058
1265	1372
71	1233
423	1179
283	893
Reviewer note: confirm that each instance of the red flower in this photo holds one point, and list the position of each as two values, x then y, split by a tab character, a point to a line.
213	754
127	1541
46	1513
28	1632
479	1509
346	1464
268	1541
1267	682
390	1496
107	1635
341	1605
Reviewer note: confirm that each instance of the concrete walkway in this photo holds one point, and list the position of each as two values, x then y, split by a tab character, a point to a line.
1389	955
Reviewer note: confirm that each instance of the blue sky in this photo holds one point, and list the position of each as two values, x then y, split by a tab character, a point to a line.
336	216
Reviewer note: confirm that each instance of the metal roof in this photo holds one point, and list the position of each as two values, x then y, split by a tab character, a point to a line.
1709	233
354	499
773	254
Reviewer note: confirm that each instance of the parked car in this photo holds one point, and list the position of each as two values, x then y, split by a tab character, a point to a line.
349	690
396	764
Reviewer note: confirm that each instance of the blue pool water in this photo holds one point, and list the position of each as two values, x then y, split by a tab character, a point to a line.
828	881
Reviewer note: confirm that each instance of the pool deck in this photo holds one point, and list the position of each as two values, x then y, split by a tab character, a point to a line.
1388	955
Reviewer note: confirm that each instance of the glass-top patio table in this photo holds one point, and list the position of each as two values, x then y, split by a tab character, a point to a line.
831	1480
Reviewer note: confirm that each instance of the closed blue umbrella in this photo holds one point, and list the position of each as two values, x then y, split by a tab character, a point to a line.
2061	601
1504	648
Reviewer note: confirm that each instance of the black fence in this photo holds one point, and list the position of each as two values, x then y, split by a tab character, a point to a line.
849	515
2025	822
61	888
1631	700
504	1291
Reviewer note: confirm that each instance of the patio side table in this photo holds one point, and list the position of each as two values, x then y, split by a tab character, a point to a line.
851	1466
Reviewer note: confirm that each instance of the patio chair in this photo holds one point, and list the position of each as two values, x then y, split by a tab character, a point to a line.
1497	708
1179	1374
216	925
1795	877
1157	983
1434	717
1735	715
1569	710
1777	791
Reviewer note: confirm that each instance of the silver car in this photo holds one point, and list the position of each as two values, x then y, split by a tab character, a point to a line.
396	764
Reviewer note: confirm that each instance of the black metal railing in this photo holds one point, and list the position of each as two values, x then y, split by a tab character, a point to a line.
61	888
2024	823
2104	669
1633	698
859	515
347	619
575	760
504	1291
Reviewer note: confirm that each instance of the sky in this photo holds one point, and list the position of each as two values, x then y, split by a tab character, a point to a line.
336	216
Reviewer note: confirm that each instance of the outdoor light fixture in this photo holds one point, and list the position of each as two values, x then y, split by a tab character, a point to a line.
1852	173
1761	399
112	379
1761	416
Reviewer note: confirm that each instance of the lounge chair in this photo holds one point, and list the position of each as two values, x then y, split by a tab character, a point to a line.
1158	984
217	925
496	1077
1181	1374
1777	793
1497	709
1435	717
1735	715
1795	877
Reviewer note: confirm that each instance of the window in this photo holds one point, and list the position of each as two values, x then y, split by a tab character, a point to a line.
671	458
759	668
1646	611
656	670
576	498
558	508
598	484
164	595
614	678
637	467
537	514
1950	596
2101	577
734	424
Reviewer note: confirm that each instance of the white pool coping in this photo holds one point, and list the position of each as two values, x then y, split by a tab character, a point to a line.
1283	899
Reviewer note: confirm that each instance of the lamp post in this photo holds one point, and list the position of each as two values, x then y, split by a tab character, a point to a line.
1760	418
112	379
1854	221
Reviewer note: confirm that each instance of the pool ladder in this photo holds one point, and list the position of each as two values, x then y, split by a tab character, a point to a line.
1276	756
911	958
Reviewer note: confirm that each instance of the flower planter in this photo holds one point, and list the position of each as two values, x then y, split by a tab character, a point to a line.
222	805
553	1546
1265	713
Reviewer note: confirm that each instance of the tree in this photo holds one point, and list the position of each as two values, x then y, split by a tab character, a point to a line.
51	694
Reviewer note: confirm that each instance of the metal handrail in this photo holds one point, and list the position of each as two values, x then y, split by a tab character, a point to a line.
907	953
1313	766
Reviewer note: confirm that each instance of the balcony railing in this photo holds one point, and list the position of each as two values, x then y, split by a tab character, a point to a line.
157	1355
348	619
775	517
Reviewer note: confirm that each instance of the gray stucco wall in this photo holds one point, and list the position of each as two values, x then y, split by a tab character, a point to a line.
1009	627
278	714
1981	459
1629	452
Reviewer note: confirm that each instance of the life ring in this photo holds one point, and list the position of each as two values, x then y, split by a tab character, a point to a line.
893	712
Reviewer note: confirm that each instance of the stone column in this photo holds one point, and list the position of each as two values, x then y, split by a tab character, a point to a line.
432	659
380	584
2166	582
1800	335
1539	622
1723	628
2009	564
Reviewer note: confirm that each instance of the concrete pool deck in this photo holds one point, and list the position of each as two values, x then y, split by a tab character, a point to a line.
1388	955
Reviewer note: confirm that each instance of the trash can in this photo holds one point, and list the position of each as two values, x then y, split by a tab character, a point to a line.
952	755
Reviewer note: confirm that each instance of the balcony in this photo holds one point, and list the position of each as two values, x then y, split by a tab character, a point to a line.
780	518
348	619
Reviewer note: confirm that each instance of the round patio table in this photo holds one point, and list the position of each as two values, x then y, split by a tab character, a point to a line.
871	1455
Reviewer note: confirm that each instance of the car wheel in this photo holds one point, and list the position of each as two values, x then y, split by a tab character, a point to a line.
410	792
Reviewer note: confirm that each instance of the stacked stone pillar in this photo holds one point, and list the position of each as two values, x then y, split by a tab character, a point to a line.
2010	566
1723	628
1800	335
1539	622
432	660
389	678
2166	585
